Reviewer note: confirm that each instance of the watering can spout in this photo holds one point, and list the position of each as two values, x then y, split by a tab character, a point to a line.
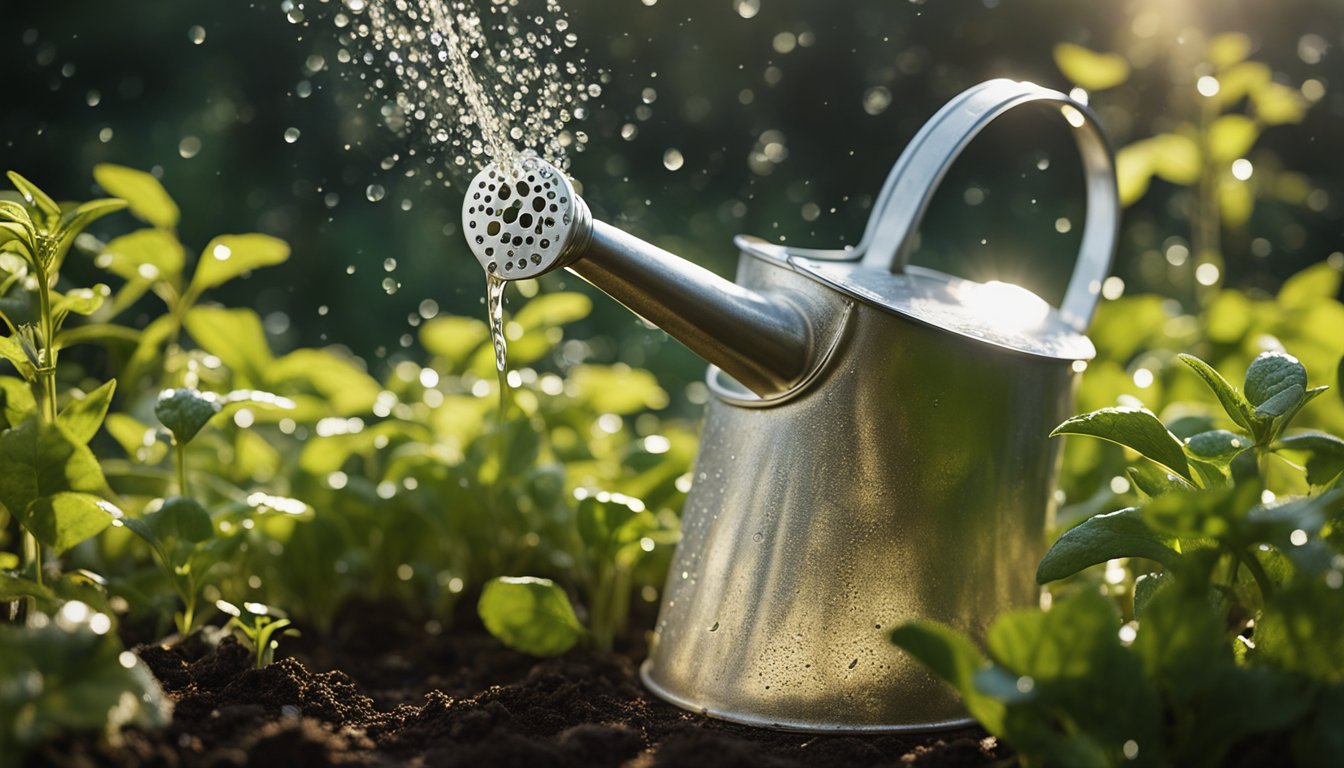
527	221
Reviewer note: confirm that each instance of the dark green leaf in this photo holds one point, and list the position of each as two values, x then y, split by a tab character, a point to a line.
1217	446
148	199
1275	382
956	660
1151	480
1134	428
1326	451
229	256
1102	538
1233	402
1321	741
1302	630
41	460
1145	587
181	518
17	587
185	411
1195	514
530	615
64	519
82	418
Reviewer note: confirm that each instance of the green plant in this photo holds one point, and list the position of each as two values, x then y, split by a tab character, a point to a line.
52	484
69	674
187	541
257	625
1240	631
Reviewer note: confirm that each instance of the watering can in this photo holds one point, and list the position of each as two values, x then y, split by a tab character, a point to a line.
875	450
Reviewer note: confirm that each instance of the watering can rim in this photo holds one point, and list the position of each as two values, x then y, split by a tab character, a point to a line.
877	272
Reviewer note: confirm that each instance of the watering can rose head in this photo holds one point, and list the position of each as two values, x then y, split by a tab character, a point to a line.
522	218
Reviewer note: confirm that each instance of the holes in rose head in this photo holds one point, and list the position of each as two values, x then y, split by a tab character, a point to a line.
554	208
550	222
538	204
504	191
518	240
508	266
493	267
489	251
536	258
522	188
525	220
510	214
492	228
545	243
479	240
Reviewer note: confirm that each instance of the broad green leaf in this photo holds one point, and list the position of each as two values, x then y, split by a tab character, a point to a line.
1145	587
1151	480
16	401
229	256
454	338
956	660
35	197
236	337
82	418
1240	79
66	518
1326	459
530	615
139	441
185	411
1277	104
617	389
181	518
1311	286
76	220
1231	136
18	587
1228	48
106	334
1217	446
146	196
1275	383
1197	514
13	212
1091	70
345	386
553	309
41	460
81	301
1181	640
1134	428
1133	172
144	255
1176	158
1102	538
12	350
1233	402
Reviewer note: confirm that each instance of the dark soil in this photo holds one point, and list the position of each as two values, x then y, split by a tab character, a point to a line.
387	696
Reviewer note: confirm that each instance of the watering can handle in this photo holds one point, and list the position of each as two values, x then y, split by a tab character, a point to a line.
905	196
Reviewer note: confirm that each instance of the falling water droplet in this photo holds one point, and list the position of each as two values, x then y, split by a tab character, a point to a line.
375	192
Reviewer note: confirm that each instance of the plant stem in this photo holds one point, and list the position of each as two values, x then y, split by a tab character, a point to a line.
182	469
1258	572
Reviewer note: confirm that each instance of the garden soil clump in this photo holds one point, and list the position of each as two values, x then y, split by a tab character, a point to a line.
458	699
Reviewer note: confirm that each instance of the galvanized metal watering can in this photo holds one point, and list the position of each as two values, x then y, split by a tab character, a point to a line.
876	449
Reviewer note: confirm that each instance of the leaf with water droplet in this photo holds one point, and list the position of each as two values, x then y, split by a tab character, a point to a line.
185	411
228	256
1275	383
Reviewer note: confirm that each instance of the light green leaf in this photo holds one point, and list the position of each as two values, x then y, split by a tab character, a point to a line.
553	309
1176	158
1236	200
236	337
1239	80
530	615
41	460
1133	172
82	418
148	199
1277	104
617	389
35	197
229	256
16	401
1217	446
1091	70
1134	428
64	519
1275	383
76	220
139	441
144	256
1312	286
97	333
1326	454
1233	402
1102	538
340	381
12	350
1228	48
956	660
454	338
81	301
185	411
1231	137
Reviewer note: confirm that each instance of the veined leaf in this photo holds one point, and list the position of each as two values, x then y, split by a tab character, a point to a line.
185	411
1233	402
1089	69
146	196
530	615
64	519
16	401
1275	383
42	460
229	256
82	418
1217	446
75	221
1134	428
1102	538
81	301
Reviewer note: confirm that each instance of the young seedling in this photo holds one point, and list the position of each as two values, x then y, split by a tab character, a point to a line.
1240	632
258	626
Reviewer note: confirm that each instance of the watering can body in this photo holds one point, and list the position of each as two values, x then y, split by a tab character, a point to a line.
876	448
